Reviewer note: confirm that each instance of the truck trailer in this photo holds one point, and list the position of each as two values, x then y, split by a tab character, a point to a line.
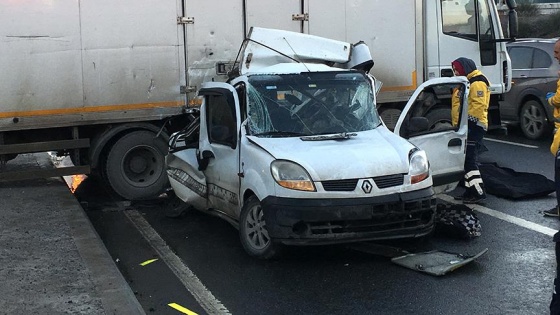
104	82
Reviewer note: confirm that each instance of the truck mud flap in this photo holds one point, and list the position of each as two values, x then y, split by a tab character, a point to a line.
436	263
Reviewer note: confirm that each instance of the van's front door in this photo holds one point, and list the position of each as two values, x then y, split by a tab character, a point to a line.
219	145
444	143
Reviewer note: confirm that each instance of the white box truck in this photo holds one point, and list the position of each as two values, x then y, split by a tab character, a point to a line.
103	81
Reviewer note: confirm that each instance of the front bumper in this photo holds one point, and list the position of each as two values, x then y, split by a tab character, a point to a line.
329	221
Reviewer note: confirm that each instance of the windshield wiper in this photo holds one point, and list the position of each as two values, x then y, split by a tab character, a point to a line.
337	136
279	134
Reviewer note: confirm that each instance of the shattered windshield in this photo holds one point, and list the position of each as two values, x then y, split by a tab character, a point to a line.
310	104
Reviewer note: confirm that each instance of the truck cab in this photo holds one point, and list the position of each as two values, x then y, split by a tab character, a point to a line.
292	151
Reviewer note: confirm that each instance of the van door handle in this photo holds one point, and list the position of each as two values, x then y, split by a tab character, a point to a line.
523	76
456	142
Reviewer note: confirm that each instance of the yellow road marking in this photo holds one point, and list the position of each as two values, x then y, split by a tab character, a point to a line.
201	294
148	262
181	309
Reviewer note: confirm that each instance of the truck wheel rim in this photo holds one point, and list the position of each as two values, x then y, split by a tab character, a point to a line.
256	232
142	166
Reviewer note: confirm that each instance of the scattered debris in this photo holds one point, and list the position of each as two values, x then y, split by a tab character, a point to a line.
436	263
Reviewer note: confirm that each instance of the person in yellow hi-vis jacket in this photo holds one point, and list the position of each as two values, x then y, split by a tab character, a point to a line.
553	99
455	104
478	102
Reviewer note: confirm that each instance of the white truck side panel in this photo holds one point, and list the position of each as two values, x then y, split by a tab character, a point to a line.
40	56
273	14
215	36
392	31
67	63
131	52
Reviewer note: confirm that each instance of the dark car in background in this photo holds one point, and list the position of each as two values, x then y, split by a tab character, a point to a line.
535	72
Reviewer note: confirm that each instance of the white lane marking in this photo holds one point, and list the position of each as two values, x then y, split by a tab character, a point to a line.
210	304
506	217
513	143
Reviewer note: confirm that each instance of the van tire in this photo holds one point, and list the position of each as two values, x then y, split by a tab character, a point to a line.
252	231
135	165
533	121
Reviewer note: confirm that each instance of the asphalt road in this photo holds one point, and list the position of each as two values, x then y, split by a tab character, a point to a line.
201	267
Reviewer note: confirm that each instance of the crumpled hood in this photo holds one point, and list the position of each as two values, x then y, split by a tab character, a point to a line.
371	153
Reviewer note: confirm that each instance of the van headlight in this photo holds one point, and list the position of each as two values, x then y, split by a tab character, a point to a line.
291	175
418	167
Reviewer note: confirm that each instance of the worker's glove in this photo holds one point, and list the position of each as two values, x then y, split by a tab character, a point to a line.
549	95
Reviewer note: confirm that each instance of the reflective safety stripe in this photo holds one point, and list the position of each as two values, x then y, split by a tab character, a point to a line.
475	182
471	174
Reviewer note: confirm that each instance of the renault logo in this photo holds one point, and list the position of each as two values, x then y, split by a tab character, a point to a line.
366	186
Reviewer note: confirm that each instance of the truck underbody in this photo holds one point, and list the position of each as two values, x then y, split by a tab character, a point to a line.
128	156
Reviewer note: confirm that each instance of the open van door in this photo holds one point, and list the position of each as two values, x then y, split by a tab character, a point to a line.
445	144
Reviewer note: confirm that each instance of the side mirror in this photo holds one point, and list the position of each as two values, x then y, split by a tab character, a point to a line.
447	73
203	162
513	24
511	4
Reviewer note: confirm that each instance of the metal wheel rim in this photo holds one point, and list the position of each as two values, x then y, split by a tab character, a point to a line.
255	228
149	173
533	120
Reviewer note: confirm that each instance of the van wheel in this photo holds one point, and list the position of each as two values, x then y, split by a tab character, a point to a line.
439	119
532	120
253	233
135	165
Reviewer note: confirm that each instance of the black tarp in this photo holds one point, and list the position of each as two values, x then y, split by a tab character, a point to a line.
507	183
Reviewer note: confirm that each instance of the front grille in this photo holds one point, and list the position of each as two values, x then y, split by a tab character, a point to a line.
350	184
386	217
389	180
340	185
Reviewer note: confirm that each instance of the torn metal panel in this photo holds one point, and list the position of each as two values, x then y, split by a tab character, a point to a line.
436	263
267	47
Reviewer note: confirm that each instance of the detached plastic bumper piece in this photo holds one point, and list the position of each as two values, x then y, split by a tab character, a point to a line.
436	263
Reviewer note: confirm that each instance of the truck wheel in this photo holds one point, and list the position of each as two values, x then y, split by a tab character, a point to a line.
532	120
135	165
252	231
439	119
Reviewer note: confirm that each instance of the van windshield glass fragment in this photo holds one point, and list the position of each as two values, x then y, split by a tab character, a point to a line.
310	104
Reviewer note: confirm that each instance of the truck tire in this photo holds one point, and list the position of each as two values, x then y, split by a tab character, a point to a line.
252	231
532	120
439	119
135	165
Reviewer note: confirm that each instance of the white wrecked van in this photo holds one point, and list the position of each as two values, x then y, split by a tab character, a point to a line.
292	151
